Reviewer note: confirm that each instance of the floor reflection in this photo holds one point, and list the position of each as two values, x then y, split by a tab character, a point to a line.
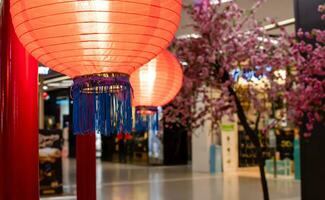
129	182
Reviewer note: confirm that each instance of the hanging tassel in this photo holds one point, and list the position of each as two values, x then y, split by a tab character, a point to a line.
102	104
154	119
141	122
146	118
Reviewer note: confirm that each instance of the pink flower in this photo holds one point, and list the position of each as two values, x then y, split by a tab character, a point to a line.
224	47
323	17
308	35
321	8
300	33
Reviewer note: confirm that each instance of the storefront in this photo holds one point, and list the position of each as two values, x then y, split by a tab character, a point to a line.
144	147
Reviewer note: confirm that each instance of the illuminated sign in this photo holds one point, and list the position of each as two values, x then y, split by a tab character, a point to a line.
43	70
248	75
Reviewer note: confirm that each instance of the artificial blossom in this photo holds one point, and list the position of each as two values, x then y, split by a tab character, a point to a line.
232	61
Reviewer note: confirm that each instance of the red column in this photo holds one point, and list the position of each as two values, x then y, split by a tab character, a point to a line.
19	119
86	167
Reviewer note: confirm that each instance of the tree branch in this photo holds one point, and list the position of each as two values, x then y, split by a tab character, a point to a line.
241	115
243	119
257	122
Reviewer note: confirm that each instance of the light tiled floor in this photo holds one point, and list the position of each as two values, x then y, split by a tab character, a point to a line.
129	182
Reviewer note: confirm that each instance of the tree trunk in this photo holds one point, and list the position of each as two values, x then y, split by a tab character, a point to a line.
253	135
261	165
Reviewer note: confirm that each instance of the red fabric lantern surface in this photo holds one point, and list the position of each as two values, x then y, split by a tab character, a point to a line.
158	82
80	37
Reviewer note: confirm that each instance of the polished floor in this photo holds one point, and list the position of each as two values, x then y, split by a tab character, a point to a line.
129	182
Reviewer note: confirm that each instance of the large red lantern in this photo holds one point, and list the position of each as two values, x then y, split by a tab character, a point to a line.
98	43
77	37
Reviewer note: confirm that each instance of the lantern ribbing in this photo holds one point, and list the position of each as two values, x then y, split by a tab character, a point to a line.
158	82
155	84
85	37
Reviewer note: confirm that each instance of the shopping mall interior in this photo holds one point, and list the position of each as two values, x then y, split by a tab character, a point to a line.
162	100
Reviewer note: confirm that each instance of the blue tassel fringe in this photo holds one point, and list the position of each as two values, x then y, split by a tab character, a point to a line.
154	122
145	122
99	109
141	122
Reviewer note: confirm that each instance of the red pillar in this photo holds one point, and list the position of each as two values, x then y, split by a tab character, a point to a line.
86	167
19	119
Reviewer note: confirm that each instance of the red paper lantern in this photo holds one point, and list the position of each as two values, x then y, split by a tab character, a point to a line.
158	82
80	37
98	43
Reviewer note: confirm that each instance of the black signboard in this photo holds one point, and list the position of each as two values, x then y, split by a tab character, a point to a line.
50	162
313	148
284	140
247	150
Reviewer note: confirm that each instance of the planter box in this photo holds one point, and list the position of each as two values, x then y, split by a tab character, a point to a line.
283	167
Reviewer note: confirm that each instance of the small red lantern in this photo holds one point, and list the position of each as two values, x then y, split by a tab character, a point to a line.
158	82
154	85
98	43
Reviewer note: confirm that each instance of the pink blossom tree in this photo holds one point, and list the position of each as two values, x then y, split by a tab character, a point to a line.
230	39
305	92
